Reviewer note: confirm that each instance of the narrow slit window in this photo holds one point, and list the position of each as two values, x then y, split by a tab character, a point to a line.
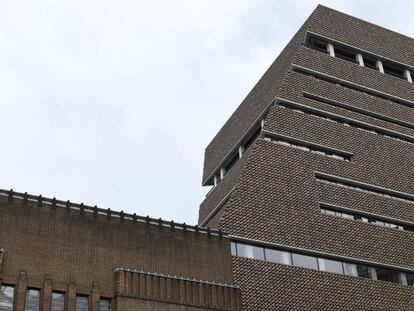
345	54
318	45
393	70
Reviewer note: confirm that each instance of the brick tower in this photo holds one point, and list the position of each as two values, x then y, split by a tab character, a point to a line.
313	173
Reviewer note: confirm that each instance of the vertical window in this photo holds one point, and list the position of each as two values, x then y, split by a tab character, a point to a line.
6	298
233	249
305	261
32	300
82	303
250	251
350	269
58	302
330	265
276	256
105	305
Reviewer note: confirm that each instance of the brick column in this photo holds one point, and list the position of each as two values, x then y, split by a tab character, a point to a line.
1	263
46	294
95	296
20	294
71	297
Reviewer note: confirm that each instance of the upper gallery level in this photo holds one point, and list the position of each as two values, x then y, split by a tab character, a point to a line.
327	40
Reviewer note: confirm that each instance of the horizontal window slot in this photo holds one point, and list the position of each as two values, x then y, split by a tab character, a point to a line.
364	217
344	120
310	261
365	112
306	146
363	187
352	86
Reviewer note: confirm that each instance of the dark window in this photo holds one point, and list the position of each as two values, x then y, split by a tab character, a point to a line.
250	251
345	54
276	256
82	303
304	261
410	279
330	265
58	301
318	45
387	275
252	138
370	63
105	305
393	70
32	300
363	271
6	298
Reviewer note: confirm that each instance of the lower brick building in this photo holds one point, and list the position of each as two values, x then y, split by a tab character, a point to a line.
310	207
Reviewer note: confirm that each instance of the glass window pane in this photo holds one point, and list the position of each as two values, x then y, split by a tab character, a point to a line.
82	303
363	271
330	265
6	298
410	279
58	301
350	269
387	275
276	256
233	249
32	300
304	261
250	251
105	305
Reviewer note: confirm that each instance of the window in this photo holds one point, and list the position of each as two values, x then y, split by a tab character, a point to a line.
387	275
276	256
370	63
105	305
32	300
305	261
350	269
410	279
250	251
6	298
345	54
82	303
330	265
318	45
233	249
366	272
393	70
58	301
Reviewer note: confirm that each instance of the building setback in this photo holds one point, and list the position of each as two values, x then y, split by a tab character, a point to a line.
311	206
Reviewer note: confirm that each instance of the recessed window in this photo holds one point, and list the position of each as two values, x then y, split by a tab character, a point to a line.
32	300
387	275
366	272
105	305
82	303
233	249
370	62
329	265
393	70
6	298
58	301
250	251
345	54
305	261
318	45
277	256
350	269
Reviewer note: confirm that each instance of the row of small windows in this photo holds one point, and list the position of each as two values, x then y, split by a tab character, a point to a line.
321	264
364	188
32	302
235	157
347	122
308	148
364	60
364	218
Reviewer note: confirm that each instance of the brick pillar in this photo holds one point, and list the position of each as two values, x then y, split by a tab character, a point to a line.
20	293
71	297
95	296
46	294
1	263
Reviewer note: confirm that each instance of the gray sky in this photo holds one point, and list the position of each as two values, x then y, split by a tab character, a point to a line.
113	102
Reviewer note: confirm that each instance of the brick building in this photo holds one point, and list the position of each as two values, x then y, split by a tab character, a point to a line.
311	206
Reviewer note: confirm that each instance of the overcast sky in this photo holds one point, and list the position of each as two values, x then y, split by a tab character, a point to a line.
113	102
